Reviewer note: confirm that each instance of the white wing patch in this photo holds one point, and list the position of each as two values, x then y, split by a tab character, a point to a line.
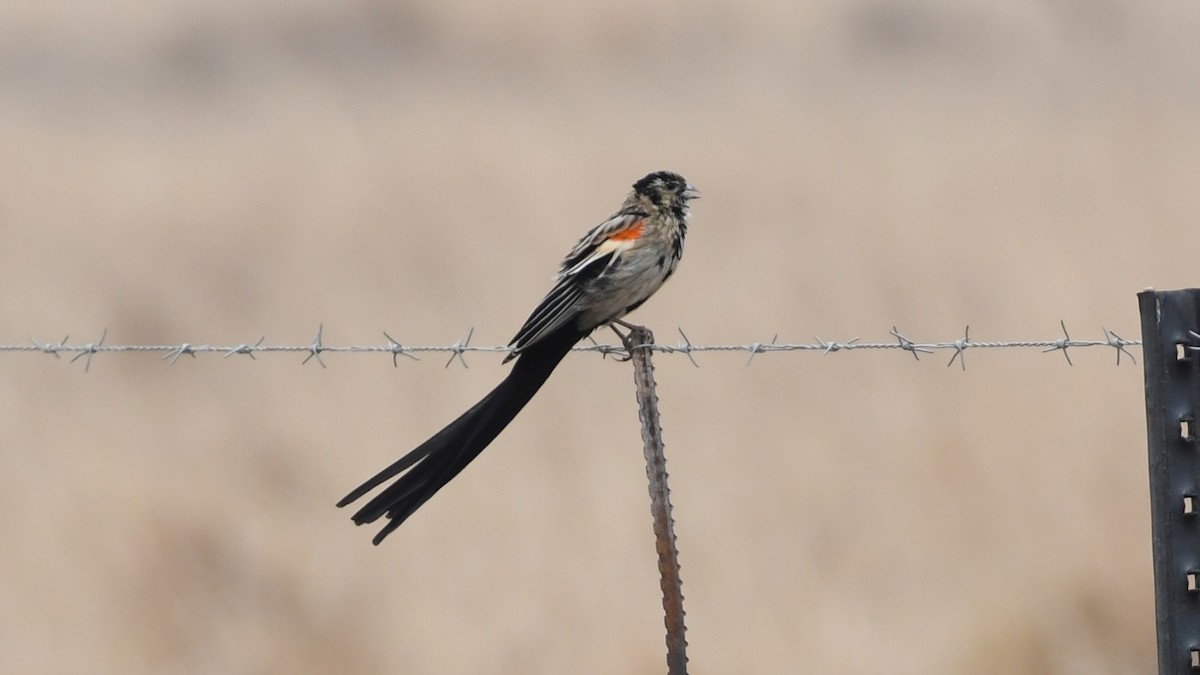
609	246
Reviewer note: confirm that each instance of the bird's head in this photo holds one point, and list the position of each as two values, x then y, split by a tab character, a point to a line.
666	189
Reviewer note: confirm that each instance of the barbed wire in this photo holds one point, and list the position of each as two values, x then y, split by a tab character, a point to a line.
317	346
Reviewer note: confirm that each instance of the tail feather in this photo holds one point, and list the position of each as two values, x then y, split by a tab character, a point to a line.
438	460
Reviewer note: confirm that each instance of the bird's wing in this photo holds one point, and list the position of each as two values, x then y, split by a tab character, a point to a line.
598	249
612	236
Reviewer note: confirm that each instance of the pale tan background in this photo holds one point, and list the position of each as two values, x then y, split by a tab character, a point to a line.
215	172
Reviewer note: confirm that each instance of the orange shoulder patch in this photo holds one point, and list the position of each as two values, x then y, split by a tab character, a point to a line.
633	231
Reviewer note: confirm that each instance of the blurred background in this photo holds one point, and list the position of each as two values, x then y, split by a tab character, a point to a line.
217	172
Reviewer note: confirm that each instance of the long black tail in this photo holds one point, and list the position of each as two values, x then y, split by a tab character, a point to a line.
438	460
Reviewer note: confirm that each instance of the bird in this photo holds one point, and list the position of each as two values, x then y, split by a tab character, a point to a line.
613	269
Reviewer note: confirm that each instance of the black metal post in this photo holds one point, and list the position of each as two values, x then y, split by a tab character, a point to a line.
1171	359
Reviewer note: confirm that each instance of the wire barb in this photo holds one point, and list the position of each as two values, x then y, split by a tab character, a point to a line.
908	345
179	351
618	353
397	350
88	350
829	347
686	347
1117	342
1062	344
315	347
457	349
960	346
243	348
49	348
758	348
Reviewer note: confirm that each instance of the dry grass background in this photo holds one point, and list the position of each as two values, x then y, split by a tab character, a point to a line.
205	172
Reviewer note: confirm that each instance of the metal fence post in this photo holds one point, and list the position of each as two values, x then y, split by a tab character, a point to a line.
1171	359
639	343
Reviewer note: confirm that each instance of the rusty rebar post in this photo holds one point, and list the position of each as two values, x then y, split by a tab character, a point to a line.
639	343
